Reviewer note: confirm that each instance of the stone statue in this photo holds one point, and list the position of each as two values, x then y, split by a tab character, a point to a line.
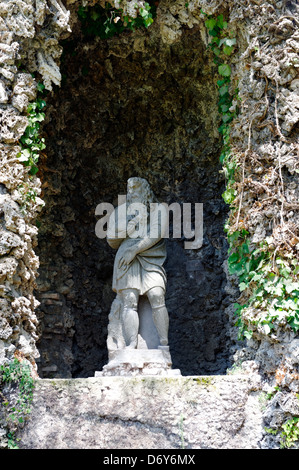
138	266
138	321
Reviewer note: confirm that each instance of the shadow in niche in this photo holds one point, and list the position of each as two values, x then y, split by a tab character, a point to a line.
127	110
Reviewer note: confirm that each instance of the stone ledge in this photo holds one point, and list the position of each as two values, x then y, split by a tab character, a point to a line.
196	412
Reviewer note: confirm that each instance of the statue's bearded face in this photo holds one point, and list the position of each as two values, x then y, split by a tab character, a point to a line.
139	190
135	190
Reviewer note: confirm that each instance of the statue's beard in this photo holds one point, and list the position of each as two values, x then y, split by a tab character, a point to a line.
140	200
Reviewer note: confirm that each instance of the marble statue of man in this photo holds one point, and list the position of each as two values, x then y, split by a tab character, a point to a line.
138	266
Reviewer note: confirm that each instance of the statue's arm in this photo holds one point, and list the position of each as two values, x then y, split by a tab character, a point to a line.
159	226
145	244
115	237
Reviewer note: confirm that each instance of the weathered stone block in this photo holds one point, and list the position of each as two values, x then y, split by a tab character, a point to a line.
144	412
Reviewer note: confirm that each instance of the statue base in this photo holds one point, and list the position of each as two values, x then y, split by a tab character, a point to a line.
133	362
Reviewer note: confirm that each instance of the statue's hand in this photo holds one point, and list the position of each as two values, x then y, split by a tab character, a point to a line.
127	257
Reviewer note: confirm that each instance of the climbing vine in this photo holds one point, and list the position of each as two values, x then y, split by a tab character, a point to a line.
223	45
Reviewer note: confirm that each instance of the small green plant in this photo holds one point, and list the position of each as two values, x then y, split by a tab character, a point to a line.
265	397
107	22
31	143
272	393
290	433
17	374
271	431
28	195
235	369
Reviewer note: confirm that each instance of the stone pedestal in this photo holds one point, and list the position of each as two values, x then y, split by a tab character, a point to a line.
132	362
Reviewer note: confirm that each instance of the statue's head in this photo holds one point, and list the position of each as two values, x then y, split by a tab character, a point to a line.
139	190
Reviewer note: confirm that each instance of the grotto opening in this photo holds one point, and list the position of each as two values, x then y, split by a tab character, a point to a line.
130	105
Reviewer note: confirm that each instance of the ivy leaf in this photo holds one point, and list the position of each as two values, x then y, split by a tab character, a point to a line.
31	107
223	90
40	117
216	50
227	117
94	15
267	329
224	108
228	50
224	70
233	258
148	22
229	195
211	23
230	41
248	334
24	155
41	104
40	87
26	140
257	277
220	21
143	12
242	286
33	170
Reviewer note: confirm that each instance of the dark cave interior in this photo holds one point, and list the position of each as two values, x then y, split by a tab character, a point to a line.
130	106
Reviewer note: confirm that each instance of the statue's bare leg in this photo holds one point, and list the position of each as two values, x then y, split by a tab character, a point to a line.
156	298
130	319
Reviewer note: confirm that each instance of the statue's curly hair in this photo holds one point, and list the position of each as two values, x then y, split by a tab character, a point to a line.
148	195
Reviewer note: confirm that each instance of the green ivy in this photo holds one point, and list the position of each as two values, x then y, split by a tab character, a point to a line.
222	45
17	374
107	22
290	433
271	284
31	143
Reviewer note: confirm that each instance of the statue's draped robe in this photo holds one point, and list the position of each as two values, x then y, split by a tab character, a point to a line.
146	270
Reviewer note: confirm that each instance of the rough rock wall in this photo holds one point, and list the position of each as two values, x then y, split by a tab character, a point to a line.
29	41
265	139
